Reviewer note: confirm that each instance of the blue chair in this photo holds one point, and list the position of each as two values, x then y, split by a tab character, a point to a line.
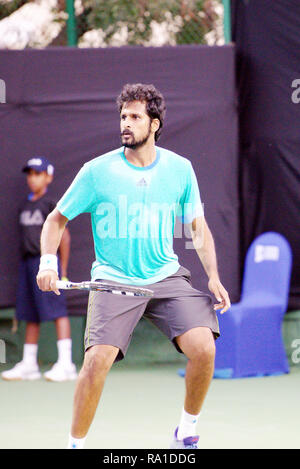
251	341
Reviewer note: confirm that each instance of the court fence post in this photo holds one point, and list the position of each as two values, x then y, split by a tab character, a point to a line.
71	24
227	21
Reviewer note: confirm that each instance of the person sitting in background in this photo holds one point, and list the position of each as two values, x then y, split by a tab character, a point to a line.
32	305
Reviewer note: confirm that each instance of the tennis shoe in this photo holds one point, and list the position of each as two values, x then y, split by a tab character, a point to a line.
60	372
190	442
22	371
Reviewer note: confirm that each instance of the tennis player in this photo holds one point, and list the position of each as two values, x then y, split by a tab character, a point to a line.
134	195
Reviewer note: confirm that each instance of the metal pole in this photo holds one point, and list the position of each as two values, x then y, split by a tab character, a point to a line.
71	24
227	21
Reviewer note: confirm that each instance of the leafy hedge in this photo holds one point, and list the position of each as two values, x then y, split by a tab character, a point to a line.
9	7
186	21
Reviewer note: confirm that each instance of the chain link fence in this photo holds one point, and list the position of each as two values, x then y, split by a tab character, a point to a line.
150	23
103	23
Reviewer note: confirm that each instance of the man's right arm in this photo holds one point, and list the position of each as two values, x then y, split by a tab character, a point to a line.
52	232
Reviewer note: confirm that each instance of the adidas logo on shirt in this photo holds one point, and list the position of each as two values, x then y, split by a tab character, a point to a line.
142	183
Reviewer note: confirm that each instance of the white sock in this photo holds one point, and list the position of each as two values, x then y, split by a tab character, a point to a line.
187	425
76	443
30	352
64	347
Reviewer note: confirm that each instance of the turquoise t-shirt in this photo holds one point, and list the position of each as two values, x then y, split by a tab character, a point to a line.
133	212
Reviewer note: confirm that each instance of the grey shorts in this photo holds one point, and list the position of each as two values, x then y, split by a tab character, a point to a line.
175	308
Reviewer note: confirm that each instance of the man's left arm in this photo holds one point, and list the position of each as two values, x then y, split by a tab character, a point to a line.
205	248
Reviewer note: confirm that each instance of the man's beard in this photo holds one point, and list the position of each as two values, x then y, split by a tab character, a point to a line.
136	143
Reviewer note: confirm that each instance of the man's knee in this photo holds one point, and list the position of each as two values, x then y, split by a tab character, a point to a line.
99	359
198	344
206	351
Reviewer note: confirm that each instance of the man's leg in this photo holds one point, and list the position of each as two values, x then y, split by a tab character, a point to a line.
199	346
97	362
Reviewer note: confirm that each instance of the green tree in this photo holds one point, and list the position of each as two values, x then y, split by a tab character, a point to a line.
6	8
184	21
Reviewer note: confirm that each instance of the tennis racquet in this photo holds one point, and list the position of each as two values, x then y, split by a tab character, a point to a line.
104	287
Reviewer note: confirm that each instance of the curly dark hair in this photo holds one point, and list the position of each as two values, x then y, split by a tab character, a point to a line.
155	103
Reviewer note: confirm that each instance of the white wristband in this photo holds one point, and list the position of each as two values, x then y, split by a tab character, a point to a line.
48	262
